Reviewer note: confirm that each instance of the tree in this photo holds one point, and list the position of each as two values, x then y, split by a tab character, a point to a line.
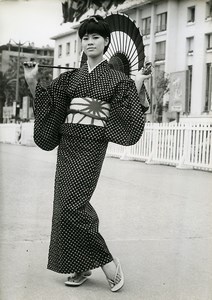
74	9
161	88
3	84
9	78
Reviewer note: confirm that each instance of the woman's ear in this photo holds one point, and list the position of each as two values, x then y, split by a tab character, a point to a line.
106	41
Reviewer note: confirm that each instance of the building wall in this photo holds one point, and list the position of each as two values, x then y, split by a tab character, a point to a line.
176	36
63	57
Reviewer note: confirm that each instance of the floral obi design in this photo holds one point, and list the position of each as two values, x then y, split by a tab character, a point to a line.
88	111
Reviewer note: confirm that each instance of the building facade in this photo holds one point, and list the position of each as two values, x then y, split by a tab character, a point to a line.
177	35
10	52
67	51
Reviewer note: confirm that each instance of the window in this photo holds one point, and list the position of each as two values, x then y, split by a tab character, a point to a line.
191	14
161	22
59	50
190	45
67	48
160	51
208	93
209	41
209	9
146	23
189	86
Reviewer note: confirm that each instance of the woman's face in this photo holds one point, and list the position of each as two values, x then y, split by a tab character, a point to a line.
93	45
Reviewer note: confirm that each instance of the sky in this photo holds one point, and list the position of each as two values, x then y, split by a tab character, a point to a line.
35	21
30	20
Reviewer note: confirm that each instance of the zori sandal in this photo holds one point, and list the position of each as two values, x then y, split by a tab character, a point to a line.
118	281
78	278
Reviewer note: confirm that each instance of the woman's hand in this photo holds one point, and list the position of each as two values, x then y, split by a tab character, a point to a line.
31	75
30	71
140	77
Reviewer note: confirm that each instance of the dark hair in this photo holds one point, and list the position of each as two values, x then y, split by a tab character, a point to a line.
95	24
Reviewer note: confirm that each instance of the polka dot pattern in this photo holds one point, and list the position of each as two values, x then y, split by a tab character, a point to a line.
76	244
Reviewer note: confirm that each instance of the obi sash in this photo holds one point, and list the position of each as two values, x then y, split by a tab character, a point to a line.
88	111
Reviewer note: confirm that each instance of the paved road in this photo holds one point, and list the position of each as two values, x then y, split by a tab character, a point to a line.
156	219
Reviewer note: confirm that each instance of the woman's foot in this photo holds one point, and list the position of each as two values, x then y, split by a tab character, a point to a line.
109	269
77	279
87	273
114	274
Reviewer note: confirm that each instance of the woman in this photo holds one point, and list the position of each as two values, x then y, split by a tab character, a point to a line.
80	112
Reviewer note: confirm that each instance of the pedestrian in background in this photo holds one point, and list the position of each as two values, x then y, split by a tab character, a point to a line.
80	112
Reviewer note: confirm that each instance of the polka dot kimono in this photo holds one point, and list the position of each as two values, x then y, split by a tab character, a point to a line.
76	244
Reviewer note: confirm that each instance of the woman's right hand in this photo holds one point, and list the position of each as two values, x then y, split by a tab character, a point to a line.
31	75
30	71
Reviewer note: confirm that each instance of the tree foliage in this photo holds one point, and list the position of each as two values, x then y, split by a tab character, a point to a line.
9	78
161	88
74	9
3	84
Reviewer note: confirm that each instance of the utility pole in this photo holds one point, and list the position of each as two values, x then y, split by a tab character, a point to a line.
16	102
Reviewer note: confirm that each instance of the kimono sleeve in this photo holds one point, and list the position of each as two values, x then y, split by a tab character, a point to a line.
50	113
125	124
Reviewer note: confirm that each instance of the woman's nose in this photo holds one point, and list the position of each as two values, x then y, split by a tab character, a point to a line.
90	39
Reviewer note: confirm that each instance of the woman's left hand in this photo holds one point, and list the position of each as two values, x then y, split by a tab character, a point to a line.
140	77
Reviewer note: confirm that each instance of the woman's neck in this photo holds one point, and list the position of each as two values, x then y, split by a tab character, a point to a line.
93	62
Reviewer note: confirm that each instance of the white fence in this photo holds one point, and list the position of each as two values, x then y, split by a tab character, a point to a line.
27	134
9	133
17	134
180	145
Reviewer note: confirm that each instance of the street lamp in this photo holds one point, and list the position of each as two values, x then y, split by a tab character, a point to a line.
19	44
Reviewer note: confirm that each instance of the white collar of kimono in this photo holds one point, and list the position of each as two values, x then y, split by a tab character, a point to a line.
91	69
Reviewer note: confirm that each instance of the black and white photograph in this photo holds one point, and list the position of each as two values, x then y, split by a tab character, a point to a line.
106	149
